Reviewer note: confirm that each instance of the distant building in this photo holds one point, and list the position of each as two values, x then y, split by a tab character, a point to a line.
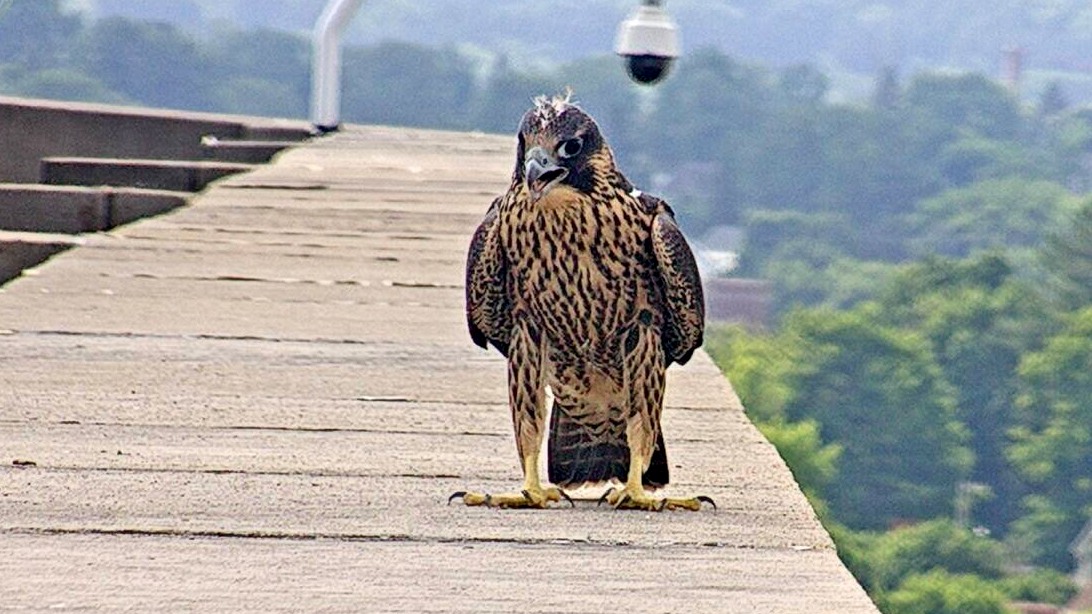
1081	548
717	251
731	300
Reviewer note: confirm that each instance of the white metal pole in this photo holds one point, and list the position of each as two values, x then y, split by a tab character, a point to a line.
326	63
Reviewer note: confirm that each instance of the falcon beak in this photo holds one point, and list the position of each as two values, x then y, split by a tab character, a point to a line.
541	173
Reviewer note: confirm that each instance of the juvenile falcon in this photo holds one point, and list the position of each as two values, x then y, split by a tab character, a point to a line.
588	287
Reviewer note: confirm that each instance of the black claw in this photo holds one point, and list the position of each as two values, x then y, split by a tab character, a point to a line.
710	501
622	501
527	495
663	505
488	500
456	495
567	498
604	497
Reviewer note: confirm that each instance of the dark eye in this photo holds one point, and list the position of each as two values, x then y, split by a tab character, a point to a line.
570	147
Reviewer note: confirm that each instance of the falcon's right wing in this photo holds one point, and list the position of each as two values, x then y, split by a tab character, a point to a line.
488	312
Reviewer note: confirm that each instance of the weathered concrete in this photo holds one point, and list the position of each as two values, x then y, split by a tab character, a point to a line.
261	402
32	129
79	209
175	175
22	250
249	152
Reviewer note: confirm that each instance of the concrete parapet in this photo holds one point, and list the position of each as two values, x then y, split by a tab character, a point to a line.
177	175
22	250
75	209
34	129
277	130
131	204
247	152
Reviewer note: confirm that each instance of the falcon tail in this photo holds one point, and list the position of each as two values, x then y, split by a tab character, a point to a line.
575	460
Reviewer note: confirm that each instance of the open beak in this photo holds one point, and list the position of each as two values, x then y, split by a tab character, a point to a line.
541	173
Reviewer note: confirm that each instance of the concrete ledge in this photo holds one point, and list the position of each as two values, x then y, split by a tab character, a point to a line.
277	130
127	205
75	210
247	152
22	250
32	129
176	175
292	385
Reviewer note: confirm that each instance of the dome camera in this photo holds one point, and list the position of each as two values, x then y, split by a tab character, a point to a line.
649	42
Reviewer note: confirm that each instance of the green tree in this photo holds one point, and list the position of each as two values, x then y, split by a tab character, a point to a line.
876	165
813	463
1052	446
776	236
1067	258
507	94
713	105
152	63
1068	140
973	158
260	72
802	271
255	96
957	104
980	319
1053	100
1040	585
408	85
939	592
897	555
993	214
879	394
758	365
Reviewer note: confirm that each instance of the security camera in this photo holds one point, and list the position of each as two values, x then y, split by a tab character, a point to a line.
649	42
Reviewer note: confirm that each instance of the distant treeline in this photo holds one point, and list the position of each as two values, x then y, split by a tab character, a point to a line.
850	38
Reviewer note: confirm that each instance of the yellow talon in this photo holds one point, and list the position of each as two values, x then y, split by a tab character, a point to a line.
526	498
630	498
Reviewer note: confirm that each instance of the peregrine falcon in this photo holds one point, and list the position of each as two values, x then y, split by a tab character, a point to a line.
589	289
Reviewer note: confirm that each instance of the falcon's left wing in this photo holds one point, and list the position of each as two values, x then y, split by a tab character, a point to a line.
685	302
488	314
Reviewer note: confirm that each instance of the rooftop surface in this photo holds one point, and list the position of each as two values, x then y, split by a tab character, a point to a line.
261	402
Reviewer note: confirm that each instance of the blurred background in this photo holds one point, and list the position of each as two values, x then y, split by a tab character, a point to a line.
908	180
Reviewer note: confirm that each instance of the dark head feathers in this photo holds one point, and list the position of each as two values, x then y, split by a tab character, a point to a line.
553	120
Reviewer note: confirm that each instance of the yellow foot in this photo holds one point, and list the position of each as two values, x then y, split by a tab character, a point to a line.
637	499
536	498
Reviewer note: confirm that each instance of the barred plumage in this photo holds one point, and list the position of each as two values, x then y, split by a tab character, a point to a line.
588	287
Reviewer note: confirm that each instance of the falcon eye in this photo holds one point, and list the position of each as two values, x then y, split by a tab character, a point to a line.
570	147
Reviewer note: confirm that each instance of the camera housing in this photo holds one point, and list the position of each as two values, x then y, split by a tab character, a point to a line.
649	42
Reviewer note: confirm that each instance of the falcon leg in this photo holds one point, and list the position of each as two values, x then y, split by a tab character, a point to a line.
645	370
633	495
532	495
527	397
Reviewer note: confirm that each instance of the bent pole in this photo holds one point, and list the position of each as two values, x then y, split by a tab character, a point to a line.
326	63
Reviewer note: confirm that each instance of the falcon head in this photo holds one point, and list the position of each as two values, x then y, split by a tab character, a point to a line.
560	149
